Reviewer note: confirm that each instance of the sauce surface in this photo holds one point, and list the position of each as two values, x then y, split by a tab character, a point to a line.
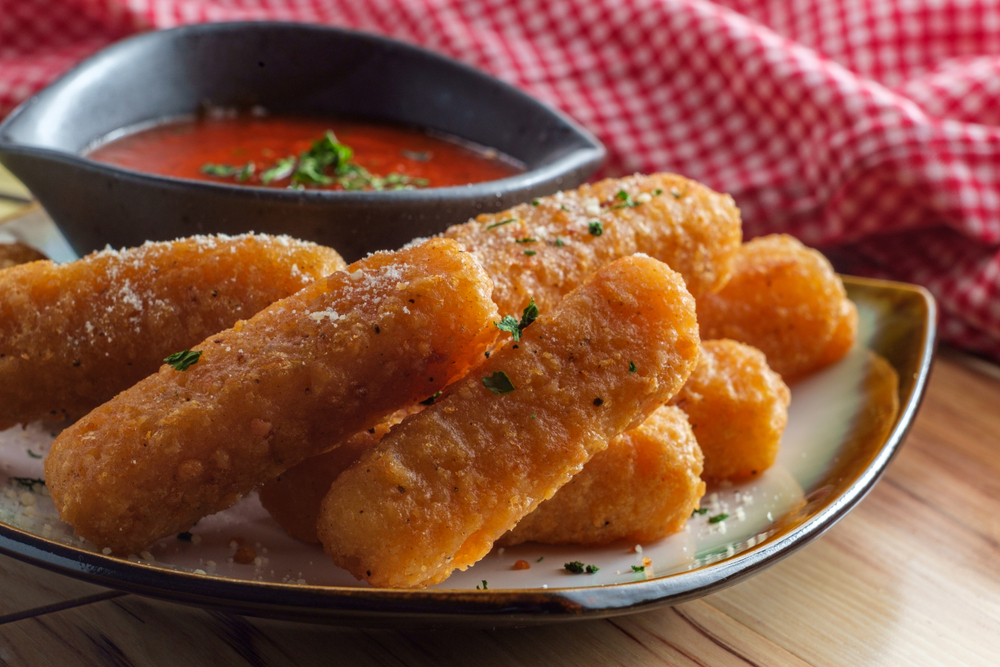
396	157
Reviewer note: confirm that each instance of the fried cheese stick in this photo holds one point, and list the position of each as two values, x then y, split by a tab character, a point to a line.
289	383
738	408
546	248
293	498
442	486
643	487
786	300
73	335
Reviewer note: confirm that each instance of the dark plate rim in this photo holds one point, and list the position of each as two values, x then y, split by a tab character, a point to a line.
373	607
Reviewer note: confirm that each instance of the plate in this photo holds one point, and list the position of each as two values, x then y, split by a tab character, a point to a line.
845	425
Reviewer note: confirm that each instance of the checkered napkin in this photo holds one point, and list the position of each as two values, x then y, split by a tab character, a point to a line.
870	128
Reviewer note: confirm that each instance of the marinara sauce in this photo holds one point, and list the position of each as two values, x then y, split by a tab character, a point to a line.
184	149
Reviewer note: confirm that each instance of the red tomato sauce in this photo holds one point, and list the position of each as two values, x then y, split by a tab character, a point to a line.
181	149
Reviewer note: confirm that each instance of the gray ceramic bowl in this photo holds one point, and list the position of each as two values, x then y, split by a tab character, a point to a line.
288	69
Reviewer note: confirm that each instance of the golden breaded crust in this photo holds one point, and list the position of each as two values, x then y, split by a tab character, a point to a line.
290	383
294	497
442	486
643	487
12	254
692	229
74	335
738	408
783	298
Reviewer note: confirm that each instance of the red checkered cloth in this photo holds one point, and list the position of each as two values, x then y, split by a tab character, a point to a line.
867	126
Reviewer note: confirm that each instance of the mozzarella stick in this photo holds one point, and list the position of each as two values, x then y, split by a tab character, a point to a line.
13	254
442	486
642	488
293	498
289	383
738	408
546	248
786	300
74	335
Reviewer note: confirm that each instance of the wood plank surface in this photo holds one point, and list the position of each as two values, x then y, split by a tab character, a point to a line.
910	577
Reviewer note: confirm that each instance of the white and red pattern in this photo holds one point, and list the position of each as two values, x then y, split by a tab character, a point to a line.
868	125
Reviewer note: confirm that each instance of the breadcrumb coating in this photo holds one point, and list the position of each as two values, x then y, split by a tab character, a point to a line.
290	383
546	248
442	486
642	488
784	299
738	408
73	335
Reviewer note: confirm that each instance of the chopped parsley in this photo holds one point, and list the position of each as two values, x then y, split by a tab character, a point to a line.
246	172
540	559
28	482
327	162
625	199
525	240
576	567
485	588
657	192
638	568
558	242
181	361
430	401
416	156
34	455
501	223
220	170
535	202
595	227
632	368
718	518
530	253
512	326
499	383
280	171
700	510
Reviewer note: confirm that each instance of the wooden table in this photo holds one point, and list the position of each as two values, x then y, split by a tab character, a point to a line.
910	577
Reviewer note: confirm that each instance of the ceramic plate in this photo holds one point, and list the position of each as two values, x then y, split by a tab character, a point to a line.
845	425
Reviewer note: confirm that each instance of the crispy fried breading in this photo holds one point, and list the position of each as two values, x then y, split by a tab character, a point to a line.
74	335
12	254
543	251
784	299
289	383
442	486
738	408
294	497
643	487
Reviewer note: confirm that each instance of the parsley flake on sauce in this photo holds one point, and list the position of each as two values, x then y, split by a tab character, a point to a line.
499	383
638	568
34	455
280	171
181	361
530	253
718	518
595	227
525	240
632	368
700	510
